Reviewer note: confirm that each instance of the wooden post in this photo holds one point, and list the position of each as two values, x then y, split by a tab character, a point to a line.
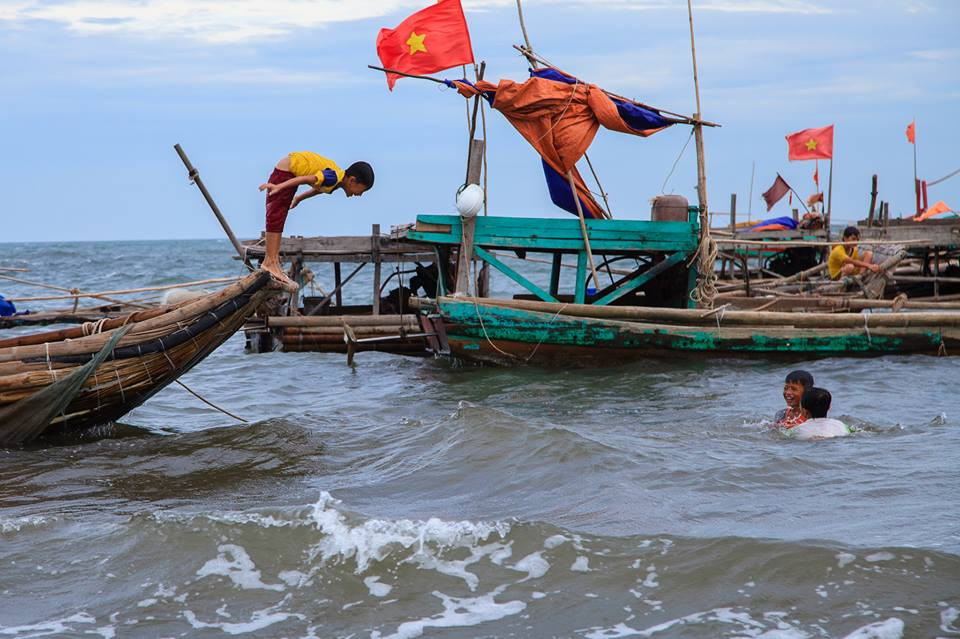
873	199
583	229
936	273
194	176
337	283
733	214
375	250
555	274
698	136
796	215
829	199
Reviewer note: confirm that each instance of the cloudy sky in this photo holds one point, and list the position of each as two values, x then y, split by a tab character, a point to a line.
94	93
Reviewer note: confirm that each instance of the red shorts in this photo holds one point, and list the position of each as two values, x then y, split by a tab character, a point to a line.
278	204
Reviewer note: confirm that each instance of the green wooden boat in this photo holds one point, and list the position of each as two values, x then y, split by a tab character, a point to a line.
644	312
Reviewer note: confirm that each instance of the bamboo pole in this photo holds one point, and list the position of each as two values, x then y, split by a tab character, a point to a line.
73	293
165	287
740	318
583	229
780	243
194	176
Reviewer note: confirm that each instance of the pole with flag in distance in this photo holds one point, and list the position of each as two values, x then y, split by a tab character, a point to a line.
815	144
775	193
912	139
430	40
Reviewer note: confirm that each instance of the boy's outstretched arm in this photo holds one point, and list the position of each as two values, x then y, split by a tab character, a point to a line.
291	183
302	196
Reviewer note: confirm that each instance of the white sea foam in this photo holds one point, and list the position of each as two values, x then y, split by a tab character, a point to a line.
948	616
457	613
374	539
651	579
880	556
747	626
16	524
553	541
845	558
376	588
234	563
534	565
258	621
892	628
46	628
581	564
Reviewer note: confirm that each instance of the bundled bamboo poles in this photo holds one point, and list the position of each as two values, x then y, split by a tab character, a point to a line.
156	347
391	333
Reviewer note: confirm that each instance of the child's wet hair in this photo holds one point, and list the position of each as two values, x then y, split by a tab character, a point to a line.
799	377
816	401
851	231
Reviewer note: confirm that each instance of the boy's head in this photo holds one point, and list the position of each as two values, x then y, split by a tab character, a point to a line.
357	179
794	385
816	402
851	235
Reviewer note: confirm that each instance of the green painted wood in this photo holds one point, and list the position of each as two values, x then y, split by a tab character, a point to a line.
640	280
564	234
692	276
580	293
513	275
502	324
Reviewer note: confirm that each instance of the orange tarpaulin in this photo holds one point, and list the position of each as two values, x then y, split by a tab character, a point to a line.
559	120
936	209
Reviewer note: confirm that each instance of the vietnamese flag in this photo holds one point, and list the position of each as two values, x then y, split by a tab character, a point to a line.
811	144
912	132
433	39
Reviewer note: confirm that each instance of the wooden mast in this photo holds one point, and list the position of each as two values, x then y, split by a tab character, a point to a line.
698	133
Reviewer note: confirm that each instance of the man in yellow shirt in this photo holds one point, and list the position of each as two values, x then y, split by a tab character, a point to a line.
322	176
846	260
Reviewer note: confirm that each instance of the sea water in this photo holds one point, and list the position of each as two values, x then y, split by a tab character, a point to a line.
411	497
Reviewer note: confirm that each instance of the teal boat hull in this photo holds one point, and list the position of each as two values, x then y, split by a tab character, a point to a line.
510	336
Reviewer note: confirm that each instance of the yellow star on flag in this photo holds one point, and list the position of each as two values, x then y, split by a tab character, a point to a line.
811	144
415	42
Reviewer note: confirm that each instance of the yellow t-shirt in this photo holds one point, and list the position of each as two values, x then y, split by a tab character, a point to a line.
837	256
308	163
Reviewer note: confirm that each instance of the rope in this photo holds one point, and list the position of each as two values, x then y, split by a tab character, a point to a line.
866	327
484	329
208	402
663	187
945	177
706	289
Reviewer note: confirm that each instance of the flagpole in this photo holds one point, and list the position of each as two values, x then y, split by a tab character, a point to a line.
916	181
829	198
698	132
753	171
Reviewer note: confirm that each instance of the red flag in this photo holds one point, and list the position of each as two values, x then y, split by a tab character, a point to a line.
816	176
776	192
912	132
811	144
433	39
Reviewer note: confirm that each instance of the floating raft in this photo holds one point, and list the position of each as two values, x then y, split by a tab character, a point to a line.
75	378
399	334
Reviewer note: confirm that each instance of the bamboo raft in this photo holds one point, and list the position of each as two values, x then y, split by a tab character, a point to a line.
71	379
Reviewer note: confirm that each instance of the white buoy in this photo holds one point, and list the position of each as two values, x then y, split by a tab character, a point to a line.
469	200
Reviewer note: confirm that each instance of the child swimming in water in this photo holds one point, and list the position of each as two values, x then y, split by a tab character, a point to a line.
793	387
816	404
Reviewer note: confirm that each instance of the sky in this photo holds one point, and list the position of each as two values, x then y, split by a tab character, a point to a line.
95	93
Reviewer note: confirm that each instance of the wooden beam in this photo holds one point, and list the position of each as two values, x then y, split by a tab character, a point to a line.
513	275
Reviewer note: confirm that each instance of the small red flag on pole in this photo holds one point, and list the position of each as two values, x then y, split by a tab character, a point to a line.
912	132
811	144
776	192
816	175
432	39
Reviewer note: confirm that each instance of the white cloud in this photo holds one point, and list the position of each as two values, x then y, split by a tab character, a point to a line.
228	21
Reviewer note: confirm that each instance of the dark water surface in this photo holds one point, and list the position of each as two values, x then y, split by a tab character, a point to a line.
408	497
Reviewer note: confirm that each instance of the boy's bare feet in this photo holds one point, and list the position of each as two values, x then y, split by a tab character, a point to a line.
280	277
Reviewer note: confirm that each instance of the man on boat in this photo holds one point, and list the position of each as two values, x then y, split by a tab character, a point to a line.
845	259
322	176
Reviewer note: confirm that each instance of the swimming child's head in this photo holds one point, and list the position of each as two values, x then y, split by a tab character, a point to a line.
816	402
357	179
794	385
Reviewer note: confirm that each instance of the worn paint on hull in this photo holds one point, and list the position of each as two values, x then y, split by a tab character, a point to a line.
512	336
